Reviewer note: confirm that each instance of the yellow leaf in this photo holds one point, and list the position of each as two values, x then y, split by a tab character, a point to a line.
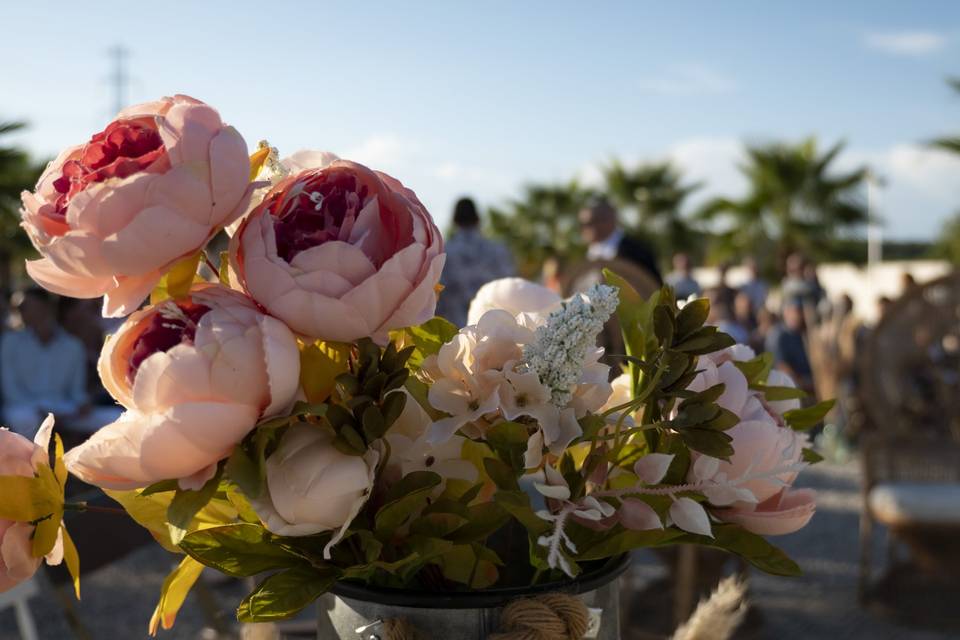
320	364
176	282
474	453
257	159
59	468
45	535
224	273
72	560
173	592
150	512
25	499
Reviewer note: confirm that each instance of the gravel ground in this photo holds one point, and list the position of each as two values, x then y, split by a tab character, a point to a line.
118	600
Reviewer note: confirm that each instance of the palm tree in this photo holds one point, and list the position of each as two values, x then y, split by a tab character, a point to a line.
796	202
950	143
948	245
17	172
541	224
653	195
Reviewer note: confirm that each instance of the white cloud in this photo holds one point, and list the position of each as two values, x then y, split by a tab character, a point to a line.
686	80
921	187
471	176
382	150
906	43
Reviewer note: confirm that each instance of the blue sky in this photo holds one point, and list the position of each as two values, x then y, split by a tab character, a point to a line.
482	97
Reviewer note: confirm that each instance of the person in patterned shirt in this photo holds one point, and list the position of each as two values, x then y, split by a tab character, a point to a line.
472	261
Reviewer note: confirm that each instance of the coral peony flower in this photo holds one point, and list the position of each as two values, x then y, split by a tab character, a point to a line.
785	512
339	252
195	376
110	216
753	488
312	486
20	457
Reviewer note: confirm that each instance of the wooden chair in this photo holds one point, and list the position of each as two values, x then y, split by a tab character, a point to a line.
18	599
910	390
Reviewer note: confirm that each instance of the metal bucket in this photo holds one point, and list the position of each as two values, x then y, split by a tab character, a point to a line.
354	612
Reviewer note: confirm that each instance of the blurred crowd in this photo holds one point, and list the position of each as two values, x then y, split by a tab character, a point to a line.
48	363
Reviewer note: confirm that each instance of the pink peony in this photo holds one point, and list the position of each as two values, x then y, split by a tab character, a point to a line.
195	376
753	488
110	216
339	252
20	457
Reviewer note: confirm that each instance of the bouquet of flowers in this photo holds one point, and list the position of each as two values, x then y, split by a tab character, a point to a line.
298	413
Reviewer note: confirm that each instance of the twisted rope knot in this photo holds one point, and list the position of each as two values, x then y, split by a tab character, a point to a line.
552	616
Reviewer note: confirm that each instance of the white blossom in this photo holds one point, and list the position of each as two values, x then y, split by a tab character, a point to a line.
559	349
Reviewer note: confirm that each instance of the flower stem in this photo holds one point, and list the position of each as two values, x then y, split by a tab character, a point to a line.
83	506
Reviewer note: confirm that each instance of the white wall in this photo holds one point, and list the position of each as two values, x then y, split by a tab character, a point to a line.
863	285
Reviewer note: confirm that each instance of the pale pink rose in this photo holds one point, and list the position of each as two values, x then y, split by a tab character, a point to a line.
340	252
195	377
531	303
110	216
314	487
20	457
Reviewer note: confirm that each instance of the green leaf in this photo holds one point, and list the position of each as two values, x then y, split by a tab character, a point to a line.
238	550
509	441
374	425
749	546
517	504
350	442
811	456
483	521
161	487
428	338
692	317
757	369
803	419
626	540
775	394
663	324
705	340
471	565
437	524
284	594
405	500
502	475
187	503
413	481
393	405
635	316
707	441
244	471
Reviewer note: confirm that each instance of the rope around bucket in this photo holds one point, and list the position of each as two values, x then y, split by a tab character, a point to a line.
552	616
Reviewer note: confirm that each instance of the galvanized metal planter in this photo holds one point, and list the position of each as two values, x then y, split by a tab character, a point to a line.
353	612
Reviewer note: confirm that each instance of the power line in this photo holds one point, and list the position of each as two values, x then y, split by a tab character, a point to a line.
119	77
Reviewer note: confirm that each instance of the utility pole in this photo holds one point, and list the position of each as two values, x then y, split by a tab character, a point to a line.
119	77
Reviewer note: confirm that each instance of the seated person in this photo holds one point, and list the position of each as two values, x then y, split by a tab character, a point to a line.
44	370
